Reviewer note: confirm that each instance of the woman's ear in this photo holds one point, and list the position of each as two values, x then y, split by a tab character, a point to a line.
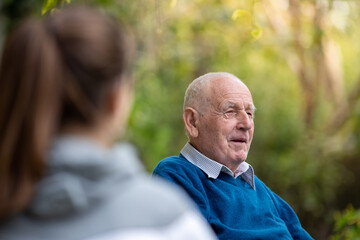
112	101
191	120
118	104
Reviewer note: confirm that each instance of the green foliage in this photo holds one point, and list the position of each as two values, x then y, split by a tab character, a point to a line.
347	225
298	61
48	5
52	5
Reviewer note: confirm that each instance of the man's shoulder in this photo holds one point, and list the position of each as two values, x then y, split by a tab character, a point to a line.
176	167
259	183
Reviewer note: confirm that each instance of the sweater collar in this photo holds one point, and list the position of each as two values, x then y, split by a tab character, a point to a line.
212	168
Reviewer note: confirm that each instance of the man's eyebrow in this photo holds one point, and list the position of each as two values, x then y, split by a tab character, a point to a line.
229	105
251	107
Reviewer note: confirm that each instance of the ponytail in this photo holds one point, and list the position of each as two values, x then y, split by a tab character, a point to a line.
53	72
30	93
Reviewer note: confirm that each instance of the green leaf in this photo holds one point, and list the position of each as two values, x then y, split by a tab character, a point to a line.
256	33
48	5
240	13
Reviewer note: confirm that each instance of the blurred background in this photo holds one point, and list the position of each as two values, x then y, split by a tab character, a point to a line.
299	58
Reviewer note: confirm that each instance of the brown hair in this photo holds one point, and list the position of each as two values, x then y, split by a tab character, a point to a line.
52	72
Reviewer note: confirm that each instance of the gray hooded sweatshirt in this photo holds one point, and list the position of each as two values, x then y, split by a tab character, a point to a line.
94	193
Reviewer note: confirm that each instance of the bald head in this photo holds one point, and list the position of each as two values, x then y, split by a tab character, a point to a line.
197	94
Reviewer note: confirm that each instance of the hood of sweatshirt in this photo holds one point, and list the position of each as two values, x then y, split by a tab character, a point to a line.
79	174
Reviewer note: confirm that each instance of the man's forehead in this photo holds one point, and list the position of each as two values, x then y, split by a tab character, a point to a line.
225	87
236	104
234	92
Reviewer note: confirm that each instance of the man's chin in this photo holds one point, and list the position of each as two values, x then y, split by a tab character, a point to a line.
241	157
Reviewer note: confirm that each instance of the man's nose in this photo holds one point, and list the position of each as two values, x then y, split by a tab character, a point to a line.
244	121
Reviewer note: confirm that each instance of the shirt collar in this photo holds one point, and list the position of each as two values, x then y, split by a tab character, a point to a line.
212	168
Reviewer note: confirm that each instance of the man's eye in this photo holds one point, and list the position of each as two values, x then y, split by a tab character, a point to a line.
230	113
250	114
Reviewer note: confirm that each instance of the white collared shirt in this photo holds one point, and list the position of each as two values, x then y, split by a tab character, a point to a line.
212	168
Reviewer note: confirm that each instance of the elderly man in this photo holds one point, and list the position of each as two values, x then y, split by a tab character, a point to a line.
219	120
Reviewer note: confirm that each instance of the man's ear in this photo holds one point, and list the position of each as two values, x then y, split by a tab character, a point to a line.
191	120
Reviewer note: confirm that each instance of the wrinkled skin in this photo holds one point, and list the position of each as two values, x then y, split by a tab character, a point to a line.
225	123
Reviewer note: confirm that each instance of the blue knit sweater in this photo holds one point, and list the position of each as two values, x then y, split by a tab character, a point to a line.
234	209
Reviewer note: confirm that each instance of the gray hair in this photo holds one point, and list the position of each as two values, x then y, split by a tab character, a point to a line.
194	95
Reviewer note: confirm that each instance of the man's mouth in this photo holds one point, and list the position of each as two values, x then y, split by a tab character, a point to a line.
239	140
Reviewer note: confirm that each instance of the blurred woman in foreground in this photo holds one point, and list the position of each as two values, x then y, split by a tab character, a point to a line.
64	90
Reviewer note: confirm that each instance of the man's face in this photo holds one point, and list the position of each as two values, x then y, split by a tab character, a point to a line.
226	124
